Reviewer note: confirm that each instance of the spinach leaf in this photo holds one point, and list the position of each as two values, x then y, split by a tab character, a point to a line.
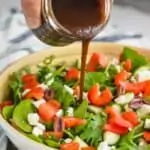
92	78
20	115
111	71
81	110
7	112
52	143
76	64
92	133
63	96
137	59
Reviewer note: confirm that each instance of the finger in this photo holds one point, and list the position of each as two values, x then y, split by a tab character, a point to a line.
32	12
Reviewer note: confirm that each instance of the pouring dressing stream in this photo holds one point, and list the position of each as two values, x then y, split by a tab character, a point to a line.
67	21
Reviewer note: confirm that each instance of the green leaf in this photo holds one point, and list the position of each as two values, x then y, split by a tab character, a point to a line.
92	78
52	143
69	133
16	87
20	115
92	133
128	141
15	84
111	71
7	112
65	98
49	126
81	110
137	59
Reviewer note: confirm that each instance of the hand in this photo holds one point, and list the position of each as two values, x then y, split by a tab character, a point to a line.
32	12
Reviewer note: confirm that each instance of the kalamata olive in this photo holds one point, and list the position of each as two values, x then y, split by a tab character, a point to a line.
49	94
58	124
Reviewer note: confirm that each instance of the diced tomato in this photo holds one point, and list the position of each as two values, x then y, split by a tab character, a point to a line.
119	121
70	146
111	112
55	104
72	74
30	85
47	112
116	129
128	65
5	103
146	93
97	60
98	99
132	117
121	77
29	78
147	136
36	93
57	135
136	88
88	148
71	122
105	97
93	94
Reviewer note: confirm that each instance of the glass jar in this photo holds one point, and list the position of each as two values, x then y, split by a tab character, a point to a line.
53	32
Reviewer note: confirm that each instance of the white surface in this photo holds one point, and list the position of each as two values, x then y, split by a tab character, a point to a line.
9	3
129	19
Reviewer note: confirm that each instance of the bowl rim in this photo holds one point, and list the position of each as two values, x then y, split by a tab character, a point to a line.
50	50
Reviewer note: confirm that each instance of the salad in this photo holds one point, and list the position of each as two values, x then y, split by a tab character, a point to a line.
113	115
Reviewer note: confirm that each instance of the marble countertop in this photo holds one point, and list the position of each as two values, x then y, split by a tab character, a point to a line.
127	25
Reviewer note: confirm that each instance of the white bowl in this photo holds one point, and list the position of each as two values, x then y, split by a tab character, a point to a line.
68	53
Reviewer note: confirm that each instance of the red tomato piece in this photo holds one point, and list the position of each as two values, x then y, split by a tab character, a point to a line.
72	74
36	93
70	146
128	65
136	88
71	122
146	136
97	60
111	112
30	85
132	117
115	129
55	104
98	99
121	77
47	112
29	78
93	94
119	121
105	97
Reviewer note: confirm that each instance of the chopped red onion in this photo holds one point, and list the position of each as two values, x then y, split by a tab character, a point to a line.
136	103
